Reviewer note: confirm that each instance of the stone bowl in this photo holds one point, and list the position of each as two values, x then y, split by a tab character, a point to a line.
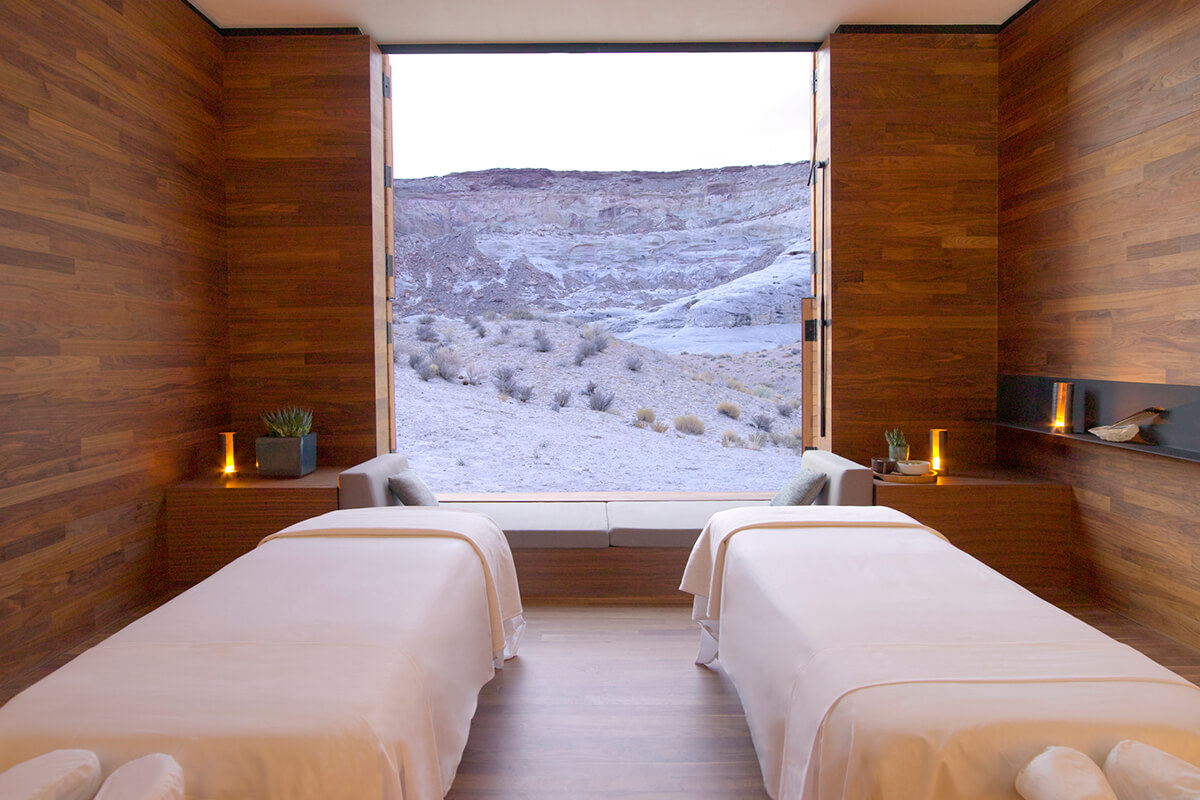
912	467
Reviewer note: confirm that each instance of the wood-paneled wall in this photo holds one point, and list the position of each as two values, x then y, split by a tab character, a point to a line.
113	340
1099	245
304	150
912	241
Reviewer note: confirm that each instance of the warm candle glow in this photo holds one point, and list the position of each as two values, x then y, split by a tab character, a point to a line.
937	448
227	446
1064	396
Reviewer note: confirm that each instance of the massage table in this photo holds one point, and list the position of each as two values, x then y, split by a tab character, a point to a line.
875	660
342	658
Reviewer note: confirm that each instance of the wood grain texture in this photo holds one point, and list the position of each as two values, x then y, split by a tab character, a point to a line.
212	521
303	149
648	575
1099	237
1017	527
911	240
113	343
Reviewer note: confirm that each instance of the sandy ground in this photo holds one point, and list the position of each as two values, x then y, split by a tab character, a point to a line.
462	437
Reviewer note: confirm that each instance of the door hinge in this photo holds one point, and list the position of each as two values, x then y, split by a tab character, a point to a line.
387	86
387	175
390	261
810	330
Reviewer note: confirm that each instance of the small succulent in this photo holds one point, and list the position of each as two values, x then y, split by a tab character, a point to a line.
894	438
292	421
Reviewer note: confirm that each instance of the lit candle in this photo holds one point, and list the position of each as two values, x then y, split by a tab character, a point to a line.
937	449
1064	397
227	446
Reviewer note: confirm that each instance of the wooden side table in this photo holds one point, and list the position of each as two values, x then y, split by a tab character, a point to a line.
212	521
1016	524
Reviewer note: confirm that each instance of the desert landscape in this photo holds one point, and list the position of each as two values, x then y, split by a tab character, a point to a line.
561	331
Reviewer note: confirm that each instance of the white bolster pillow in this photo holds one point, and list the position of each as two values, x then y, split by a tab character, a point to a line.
153	777
1138	771
1063	773
57	775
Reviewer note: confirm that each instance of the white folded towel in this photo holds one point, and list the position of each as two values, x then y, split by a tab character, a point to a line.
1063	773
153	777
57	775
1138	771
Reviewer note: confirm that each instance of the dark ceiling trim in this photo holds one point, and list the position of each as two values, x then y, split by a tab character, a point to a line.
201	15
600	47
290	32
1020	11
917	29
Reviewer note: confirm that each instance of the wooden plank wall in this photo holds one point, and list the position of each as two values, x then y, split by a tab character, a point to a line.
1099	242
113	342
913	121
303	139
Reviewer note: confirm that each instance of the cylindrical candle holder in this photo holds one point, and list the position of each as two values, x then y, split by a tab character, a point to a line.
1064	401
227	464
937	450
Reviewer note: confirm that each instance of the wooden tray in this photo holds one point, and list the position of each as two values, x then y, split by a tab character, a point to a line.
896	477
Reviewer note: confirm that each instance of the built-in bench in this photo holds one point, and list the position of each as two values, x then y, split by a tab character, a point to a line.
594	520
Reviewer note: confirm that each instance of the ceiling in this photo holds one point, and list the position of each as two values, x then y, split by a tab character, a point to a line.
587	21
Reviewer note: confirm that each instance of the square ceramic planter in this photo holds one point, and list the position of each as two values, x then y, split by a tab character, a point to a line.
286	456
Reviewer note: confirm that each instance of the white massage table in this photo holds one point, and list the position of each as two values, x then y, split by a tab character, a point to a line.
875	660
342	658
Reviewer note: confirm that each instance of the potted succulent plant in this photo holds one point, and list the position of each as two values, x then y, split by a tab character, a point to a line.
897	446
289	449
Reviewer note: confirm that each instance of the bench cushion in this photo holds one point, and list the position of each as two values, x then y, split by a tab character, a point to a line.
652	523
551	524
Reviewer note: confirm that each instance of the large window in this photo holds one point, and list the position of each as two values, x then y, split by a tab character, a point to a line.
600	261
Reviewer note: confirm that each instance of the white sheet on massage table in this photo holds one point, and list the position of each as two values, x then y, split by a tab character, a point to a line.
988	673
309	668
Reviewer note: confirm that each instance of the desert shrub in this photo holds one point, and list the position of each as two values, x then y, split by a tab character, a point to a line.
644	415
730	410
600	400
589	389
561	398
689	423
541	341
427	319
520	313
522	392
731	439
706	377
797	433
585	349
446	361
762	390
426	333
785	409
475	324
414	359
426	370
491	316
473	376
634	363
755	441
505	329
792	443
735	384
504	379
660	427
763	421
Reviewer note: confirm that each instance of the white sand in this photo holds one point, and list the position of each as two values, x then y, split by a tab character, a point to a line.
467	438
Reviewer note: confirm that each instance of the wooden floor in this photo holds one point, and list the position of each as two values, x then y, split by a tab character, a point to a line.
604	701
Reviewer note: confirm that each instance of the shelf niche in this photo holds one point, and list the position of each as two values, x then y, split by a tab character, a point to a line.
1025	402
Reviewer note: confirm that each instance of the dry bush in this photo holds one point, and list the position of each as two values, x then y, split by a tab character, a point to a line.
589	389
541	342
706	377
797	433
426	370
763	422
473	376
600	400
414	359
785	409
522	392
447	362
644	415
561	398
731	439
735	384
585	349
427	319
730	410
634	363
491	316
762	390
660	427
520	313
504	379
426	333
756	440
689	423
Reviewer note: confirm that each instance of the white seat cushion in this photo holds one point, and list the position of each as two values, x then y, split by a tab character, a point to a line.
668	523
554	524
57	775
1138	771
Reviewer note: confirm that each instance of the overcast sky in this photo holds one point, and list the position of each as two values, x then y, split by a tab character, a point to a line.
600	111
